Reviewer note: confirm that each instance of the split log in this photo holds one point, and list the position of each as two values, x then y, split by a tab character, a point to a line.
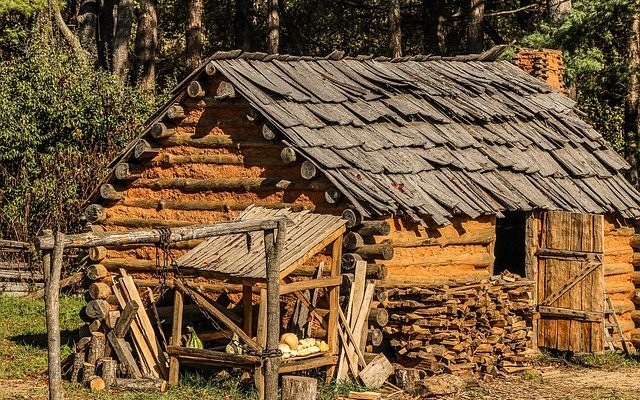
99	290
123	351
125	171
78	362
375	337
195	91
88	372
143	385
112	318
352	241
95	213
96	384
94	326
210	68
353	217
288	155
98	309
376	373
96	272
377	271
308	170
109	368
225	90
370	228
408	379
299	388
144	149
268	132
97	254
126	318
175	112
159	130
96	347
379	316
332	195
377	251
108	192
380	294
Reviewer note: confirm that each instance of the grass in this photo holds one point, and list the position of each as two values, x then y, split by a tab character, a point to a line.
23	361
608	360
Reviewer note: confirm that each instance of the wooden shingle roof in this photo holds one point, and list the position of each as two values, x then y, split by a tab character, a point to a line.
433	137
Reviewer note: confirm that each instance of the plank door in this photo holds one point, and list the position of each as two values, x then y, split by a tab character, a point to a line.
571	282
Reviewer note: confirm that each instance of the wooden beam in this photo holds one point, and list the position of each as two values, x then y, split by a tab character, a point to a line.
52	302
91	239
216	356
300	286
176	335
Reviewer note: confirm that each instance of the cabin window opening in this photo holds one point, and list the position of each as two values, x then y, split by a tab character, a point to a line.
509	248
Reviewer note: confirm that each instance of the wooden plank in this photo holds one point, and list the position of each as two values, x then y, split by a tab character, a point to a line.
586	270
204	303
147	328
314	297
376	373
303	365
261	339
334	302
597	288
247	307
569	313
300	286
119	345
176	336
214	356
363	313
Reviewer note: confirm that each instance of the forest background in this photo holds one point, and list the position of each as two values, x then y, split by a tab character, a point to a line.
79	78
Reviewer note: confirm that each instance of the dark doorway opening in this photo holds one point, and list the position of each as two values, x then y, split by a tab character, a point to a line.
510	243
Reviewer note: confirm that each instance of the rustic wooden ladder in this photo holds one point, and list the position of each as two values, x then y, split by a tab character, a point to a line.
611	322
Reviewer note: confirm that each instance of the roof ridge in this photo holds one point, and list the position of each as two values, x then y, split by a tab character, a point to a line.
491	54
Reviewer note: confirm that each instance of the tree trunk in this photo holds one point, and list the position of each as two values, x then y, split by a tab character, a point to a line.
88	25
395	35
474	27
558	9
69	36
122	38
147	44
193	33
105	36
273	21
245	24
632	100
434	27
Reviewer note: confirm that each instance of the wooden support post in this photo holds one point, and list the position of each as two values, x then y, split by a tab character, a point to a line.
247	303
273	252
334	300
53	318
261	339
109	367
176	334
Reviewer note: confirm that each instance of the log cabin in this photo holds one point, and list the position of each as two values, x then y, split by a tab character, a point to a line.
447	170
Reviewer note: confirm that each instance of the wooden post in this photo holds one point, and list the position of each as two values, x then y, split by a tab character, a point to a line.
299	388
261	339
176	334
247	302
273	252
334	299
52	303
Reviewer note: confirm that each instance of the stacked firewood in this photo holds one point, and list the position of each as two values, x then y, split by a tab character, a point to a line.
475	329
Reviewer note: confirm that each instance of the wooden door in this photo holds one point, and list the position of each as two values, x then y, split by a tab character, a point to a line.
571	282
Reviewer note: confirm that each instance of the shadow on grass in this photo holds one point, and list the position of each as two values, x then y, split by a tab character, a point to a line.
40	341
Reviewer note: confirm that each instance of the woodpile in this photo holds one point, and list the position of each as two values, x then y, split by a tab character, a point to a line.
474	329
545	64
18	274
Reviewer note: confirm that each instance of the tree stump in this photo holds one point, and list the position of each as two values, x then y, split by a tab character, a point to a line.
299	388
78	362
109	369
96	383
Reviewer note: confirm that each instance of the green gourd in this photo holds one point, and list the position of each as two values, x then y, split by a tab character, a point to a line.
194	341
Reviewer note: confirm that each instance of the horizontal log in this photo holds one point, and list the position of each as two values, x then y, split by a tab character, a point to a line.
108	192
141	385
635	317
310	284
308	170
90	239
378	316
626	287
217	141
159	130
126	171
477	260
14	244
481	237
13	287
636	298
617	268
16	274
375	337
204	354
95	213
635	278
189	185
195	90
352	216
377	271
219	159
210	68
215	287
175	112
332	195
352	241
370	228
205	205
269	132
635	241
96	272
377	251
144	149
571	314
97	309
636	260
288	155
97	254
349	261
15	265
403	281
254	115
99	290
622	306
225	90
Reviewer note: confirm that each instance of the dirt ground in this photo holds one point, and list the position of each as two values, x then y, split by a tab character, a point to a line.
544	383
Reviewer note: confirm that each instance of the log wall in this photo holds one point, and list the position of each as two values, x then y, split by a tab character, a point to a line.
618	270
458	253
212	165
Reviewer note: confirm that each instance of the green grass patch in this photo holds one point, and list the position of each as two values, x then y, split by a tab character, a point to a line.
608	360
23	334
